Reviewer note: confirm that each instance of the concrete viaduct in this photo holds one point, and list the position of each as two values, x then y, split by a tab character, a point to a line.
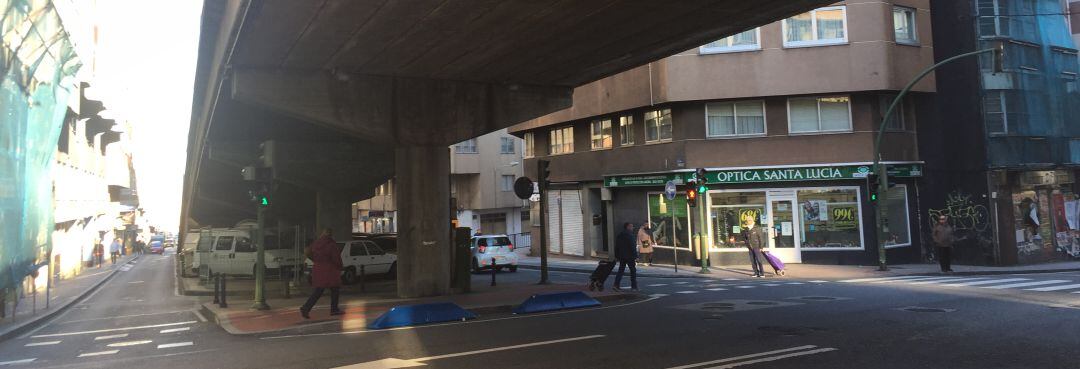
354	92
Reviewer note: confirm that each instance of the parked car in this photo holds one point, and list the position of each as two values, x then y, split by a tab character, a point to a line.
387	241
365	253
232	252
498	247
156	247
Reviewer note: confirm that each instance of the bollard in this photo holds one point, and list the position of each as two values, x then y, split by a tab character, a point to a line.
493	271
363	278
223	294
217	288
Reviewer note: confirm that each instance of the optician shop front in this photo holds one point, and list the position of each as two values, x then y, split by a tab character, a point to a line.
814	214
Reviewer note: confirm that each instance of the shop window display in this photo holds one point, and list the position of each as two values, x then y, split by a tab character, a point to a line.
669	220
830	218
729	212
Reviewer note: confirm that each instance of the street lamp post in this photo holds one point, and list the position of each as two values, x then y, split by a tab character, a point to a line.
880	169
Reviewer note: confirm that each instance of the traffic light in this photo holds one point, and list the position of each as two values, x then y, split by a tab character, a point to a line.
702	183
266	154
544	173
692	193
872	186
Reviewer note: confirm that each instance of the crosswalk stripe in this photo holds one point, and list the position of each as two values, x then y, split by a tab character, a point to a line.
992	281
793	283
1054	288
744	286
49	343
1026	284
717	289
657	285
819	281
687	292
913	279
178	344
17	362
122	335
110	352
876	279
174	330
943	280
771	284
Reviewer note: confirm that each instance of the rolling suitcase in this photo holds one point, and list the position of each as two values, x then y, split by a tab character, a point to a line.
600	274
777	265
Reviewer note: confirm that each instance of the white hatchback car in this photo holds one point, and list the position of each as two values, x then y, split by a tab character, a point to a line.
365	256
493	249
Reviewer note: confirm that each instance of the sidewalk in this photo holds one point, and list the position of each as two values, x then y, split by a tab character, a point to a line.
808	271
64	294
239	319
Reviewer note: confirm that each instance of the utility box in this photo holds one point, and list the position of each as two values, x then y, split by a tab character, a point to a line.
462	277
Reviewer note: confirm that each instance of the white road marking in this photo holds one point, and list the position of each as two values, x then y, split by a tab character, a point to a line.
199	315
1054	288
113	330
178	344
794	283
819	281
687	292
744	286
944	280
979	283
391	363
731	279
88	354
136	282
123	316
129	343
751	356
913	279
122	335
879	279
1026	284
17	362
657	285
174	330
773	358
49	343
658	295
680	282
771	284
717	289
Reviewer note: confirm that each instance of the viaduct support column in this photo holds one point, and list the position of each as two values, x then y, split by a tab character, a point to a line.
422	191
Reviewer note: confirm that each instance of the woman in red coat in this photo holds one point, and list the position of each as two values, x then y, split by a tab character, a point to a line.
325	274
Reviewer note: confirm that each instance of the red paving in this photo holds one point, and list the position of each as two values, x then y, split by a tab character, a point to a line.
238	319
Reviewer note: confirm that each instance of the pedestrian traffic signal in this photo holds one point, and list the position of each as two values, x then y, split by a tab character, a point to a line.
872	186
266	154
691	193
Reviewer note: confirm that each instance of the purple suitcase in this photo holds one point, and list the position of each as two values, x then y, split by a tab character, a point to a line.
777	265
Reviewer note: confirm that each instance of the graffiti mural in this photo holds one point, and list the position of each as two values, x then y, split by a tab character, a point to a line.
963	214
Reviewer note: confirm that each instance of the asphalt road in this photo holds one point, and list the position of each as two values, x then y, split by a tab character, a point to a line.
1002	321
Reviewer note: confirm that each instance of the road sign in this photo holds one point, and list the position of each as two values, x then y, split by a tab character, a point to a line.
669	190
523	188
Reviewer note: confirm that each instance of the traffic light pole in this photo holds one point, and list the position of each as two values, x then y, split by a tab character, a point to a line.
541	176
879	168
260	260
703	238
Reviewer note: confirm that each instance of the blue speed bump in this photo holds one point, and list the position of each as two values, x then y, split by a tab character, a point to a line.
408	315
555	301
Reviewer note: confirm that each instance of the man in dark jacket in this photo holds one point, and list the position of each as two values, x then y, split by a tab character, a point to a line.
755	242
625	254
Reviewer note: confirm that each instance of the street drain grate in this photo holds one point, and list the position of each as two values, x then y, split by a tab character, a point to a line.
917	309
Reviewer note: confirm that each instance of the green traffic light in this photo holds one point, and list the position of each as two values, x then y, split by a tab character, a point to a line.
873	197
702	189
264	201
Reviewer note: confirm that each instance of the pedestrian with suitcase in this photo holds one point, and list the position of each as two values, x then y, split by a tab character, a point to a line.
777	265
599	276
755	242
625	254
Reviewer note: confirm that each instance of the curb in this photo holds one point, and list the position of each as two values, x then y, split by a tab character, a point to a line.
41	319
483	310
587	271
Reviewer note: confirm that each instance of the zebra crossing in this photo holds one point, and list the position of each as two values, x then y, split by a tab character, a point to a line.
687	288
983	282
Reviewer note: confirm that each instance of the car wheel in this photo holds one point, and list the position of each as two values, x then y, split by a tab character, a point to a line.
350	275
513	269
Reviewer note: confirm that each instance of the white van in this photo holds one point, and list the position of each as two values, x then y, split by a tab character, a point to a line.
232	252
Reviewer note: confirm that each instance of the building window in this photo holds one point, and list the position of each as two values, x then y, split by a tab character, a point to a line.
562	140
601	134
506	145
830	218
530	145
729	211
904	25
821	114
744	41
735	119
669	221
466	147
896	121
1005	110
658	125
822	26
507	182
626	130
899	232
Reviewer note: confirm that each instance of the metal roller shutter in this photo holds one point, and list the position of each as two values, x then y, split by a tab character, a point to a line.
573	235
554	228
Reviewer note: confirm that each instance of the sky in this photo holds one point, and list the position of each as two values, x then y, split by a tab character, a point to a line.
146	56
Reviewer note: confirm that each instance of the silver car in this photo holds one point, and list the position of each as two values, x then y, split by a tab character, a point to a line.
493	249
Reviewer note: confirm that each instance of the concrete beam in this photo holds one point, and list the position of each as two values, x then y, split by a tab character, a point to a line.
397	110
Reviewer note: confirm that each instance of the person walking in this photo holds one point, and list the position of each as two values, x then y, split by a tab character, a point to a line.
645	244
625	254
943	239
326	274
755	242
114	250
98	254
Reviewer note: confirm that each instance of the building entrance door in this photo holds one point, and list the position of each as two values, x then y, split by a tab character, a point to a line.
782	228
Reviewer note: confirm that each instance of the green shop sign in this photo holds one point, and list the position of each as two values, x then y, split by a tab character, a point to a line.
752	175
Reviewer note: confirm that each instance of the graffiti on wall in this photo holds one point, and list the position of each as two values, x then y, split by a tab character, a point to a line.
963	214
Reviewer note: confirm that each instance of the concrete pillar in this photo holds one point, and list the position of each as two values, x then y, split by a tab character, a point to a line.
335	211
422	190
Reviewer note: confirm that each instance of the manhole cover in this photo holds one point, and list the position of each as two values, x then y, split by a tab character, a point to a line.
917	309
818	298
761	303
